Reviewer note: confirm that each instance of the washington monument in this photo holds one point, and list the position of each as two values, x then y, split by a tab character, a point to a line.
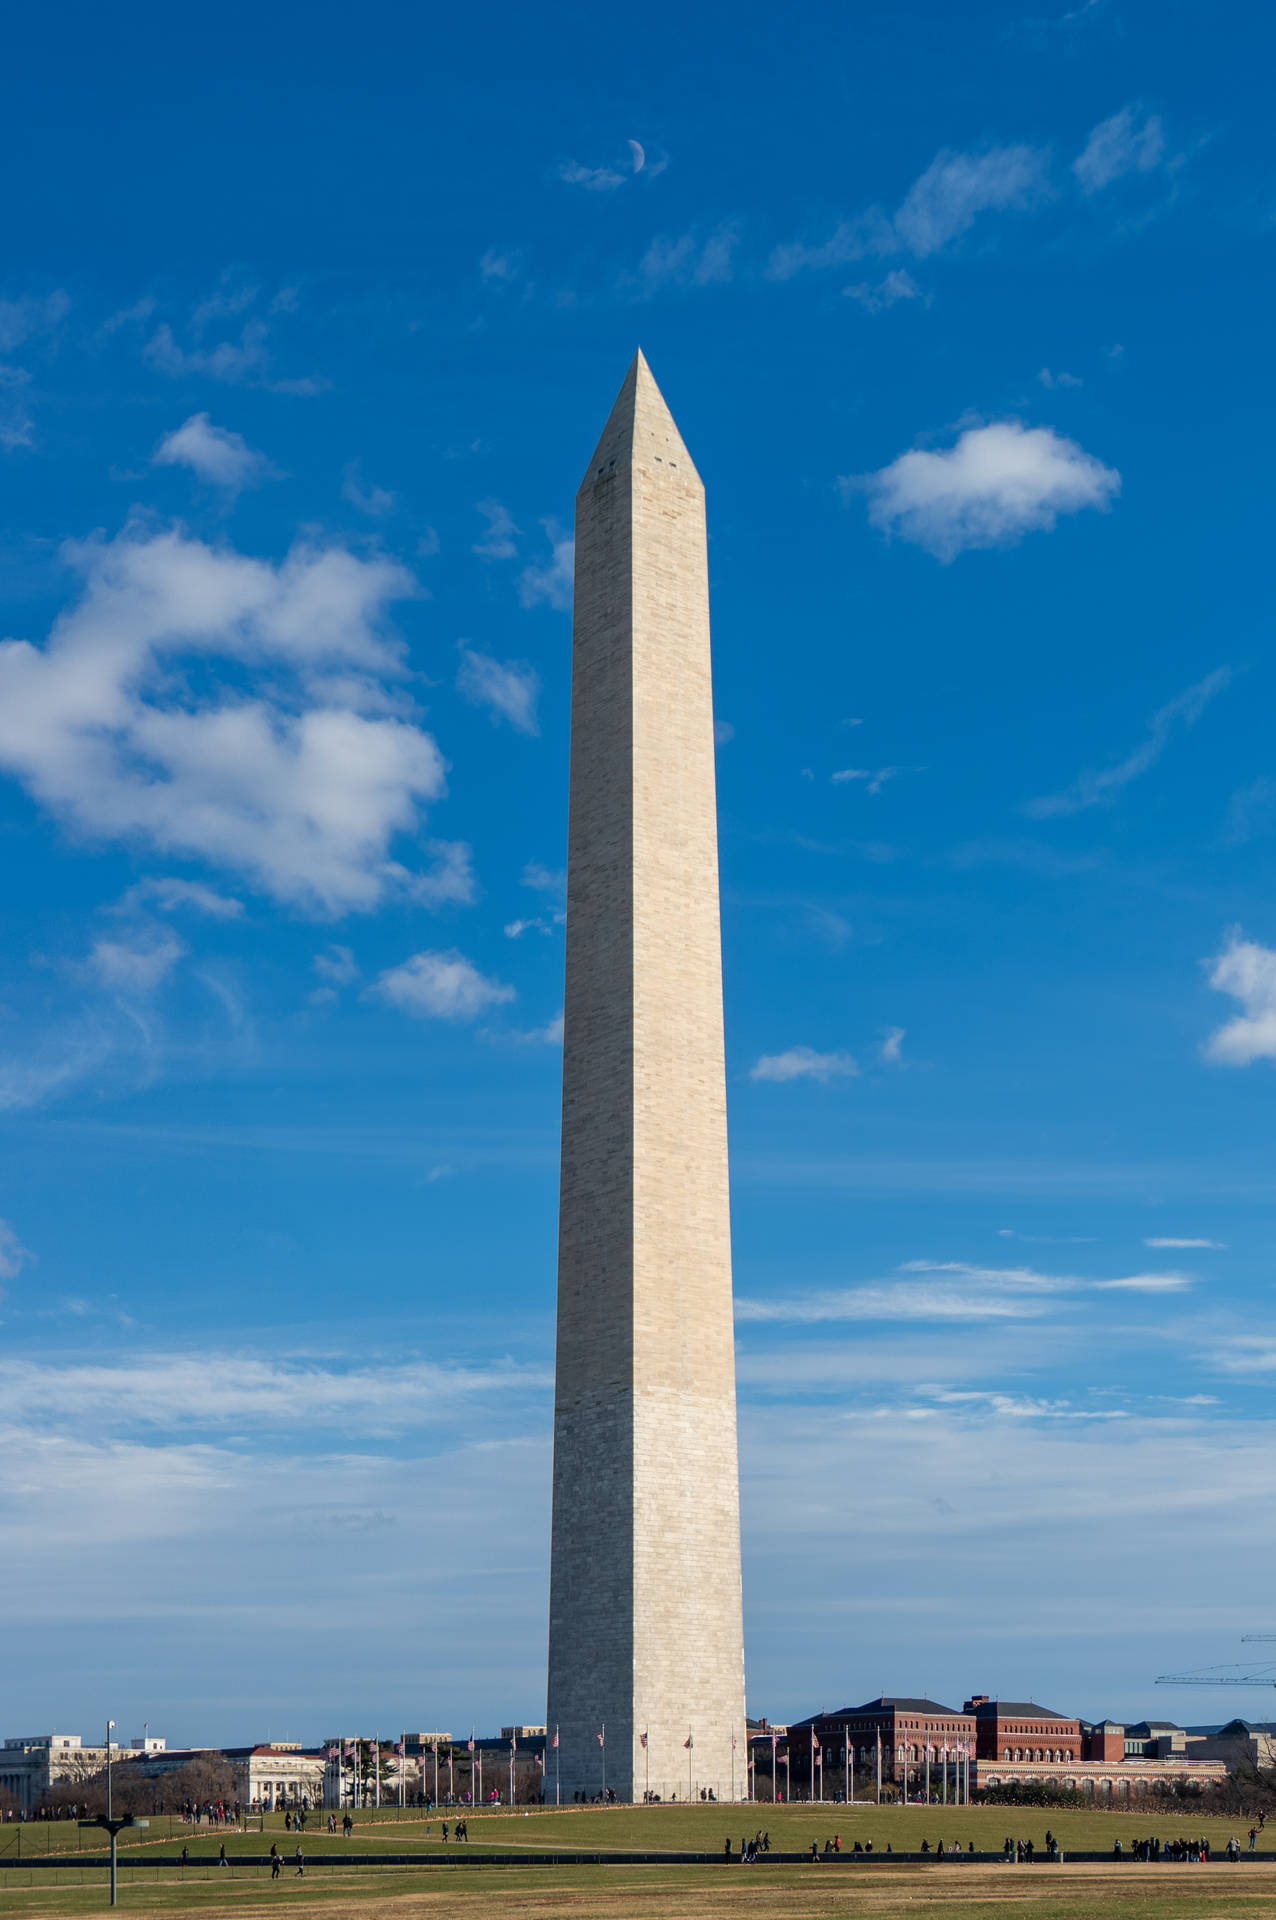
646	1642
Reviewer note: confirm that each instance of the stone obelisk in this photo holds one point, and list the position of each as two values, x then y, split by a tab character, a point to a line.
646	1635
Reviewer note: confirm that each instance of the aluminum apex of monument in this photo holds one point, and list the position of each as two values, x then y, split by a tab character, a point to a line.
646	1635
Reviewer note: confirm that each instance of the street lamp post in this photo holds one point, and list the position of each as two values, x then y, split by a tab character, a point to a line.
107	1820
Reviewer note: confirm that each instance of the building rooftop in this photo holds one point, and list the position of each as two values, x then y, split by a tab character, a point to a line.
885	1703
1020	1709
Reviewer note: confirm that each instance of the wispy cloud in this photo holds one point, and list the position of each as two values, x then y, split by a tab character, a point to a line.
876	297
941	206
691	260
956	188
874	778
217	455
996	484
803	1063
1131	141
243	360
136	964
1093	789
170	894
507	688
1166	1241
27	319
440	986
607	178
551	581
891	1049
937	1290
498	542
13	1255
364	497
1246	971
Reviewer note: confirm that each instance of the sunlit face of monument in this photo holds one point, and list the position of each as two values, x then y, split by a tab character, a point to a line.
646	1636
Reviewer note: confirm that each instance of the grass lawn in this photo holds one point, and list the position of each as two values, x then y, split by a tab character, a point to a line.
689	1829
1217	1892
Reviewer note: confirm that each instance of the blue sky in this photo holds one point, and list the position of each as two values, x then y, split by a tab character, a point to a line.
307	331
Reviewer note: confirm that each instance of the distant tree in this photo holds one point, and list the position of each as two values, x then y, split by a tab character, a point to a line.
205	1778
1032	1793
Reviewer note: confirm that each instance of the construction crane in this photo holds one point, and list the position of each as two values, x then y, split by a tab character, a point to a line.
1223	1676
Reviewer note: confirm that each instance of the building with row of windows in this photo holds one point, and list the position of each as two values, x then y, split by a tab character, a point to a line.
912	1744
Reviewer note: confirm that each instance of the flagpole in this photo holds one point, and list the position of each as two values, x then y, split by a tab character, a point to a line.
558	1770
943	1792
646	1757
691	1761
928	1766
879	1766
602	1748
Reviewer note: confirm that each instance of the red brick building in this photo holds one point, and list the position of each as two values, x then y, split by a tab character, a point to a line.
910	1731
1021	1730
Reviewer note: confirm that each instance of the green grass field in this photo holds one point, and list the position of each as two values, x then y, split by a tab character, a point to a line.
672	1829
672	1893
1132	1892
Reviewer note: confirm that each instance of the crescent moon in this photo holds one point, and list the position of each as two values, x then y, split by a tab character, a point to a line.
640	157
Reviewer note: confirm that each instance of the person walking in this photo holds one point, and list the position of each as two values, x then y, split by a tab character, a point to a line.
301	1865
275	1862
222	1861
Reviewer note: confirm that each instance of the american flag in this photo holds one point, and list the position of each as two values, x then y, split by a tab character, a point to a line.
554	1741
334	1751
688	1742
470	1743
642	1739
402	1748
601	1738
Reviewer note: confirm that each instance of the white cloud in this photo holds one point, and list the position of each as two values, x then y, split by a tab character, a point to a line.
244	361
996	484
498	542
688	261
508	688
138	963
170	894
222	458
13	1255
875	778
441	986
551	582
499	266
292	773
1145	1283
515	929
951	1290
450	881
893	1302
956	188
1129	142
550	1035
1246	971
891	1046
1217	1245
1101	788
22	320
336	965
176	1390
1052	380
875	298
545	879
593	179
803	1063
374	501
942	204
